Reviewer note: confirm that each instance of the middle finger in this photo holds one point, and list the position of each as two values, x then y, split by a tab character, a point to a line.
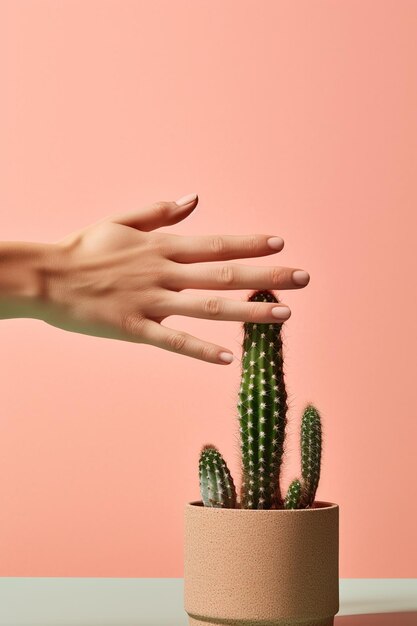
235	276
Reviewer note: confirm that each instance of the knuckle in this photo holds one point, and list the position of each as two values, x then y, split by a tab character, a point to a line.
256	311
159	243
133	324
167	275
206	352
177	341
161	209
217	244
226	274
276	275
253	243
212	306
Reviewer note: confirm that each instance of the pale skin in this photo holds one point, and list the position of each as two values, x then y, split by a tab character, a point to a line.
120	278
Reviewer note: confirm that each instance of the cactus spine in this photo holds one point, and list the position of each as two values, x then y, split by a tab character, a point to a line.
262	408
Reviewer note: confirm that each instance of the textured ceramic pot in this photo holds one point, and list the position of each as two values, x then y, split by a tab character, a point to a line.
250	567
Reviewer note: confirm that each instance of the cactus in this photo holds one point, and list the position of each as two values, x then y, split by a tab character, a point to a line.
262	408
216	482
310	461
293	497
310	454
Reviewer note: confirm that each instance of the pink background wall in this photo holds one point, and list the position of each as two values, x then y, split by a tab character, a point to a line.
288	118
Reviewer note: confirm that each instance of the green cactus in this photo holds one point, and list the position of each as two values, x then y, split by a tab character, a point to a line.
310	454
216	483
293	497
262	408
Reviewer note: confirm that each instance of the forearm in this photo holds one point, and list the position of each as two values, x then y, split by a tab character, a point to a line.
22	268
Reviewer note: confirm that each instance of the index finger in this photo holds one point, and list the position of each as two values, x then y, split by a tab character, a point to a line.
184	249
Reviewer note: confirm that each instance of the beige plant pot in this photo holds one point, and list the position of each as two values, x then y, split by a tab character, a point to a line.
254	567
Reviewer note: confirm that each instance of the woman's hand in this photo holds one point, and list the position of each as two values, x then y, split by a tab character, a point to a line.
119	279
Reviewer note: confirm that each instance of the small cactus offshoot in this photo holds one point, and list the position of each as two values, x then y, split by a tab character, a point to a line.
310	454
216	482
293	497
262	408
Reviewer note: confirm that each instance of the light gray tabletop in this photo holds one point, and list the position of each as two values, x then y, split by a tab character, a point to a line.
159	601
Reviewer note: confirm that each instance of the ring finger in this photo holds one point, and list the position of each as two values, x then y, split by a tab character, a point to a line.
216	308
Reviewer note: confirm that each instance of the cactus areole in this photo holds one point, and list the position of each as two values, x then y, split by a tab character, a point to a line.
262	409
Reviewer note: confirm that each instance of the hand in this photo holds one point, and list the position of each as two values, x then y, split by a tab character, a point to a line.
117	278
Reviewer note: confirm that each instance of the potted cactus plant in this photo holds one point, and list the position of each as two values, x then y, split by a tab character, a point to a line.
264	559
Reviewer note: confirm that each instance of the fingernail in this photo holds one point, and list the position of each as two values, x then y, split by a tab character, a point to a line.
300	277
281	312
227	357
276	243
186	199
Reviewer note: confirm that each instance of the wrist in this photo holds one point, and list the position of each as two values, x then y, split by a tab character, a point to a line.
22	269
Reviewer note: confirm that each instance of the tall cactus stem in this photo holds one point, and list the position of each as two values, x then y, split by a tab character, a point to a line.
262	408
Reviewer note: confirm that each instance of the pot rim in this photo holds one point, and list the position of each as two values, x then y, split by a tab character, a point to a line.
323	506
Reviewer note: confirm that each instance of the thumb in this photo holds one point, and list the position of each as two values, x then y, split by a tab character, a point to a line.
159	214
